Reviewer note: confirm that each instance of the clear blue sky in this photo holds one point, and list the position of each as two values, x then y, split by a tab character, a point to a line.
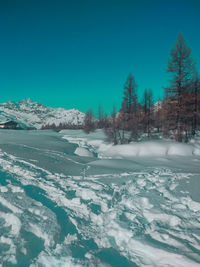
78	53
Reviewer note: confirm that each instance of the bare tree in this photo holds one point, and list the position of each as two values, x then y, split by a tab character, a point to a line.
129	104
196	103
101	117
181	67
147	118
128	113
89	124
158	115
112	131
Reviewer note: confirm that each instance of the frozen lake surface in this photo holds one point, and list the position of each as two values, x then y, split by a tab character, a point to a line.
66	200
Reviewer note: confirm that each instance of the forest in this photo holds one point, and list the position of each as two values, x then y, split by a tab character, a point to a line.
176	116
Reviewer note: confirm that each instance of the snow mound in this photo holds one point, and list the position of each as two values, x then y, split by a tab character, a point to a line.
151	148
180	150
83	152
95	143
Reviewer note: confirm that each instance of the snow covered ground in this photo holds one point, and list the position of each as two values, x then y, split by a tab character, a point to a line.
71	199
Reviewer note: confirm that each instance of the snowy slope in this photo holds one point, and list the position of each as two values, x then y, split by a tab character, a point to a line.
32	114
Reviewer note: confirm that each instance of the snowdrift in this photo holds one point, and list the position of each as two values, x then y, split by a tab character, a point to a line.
151	148
83	152
95	143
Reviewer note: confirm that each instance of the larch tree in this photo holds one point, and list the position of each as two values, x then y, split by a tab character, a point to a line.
100	117
128	112
147	120
181	68
158	115
129	104
88	125
196	103
112	131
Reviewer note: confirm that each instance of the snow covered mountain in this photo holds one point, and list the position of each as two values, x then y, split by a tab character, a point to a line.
33	114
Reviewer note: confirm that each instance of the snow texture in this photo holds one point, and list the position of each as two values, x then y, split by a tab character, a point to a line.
124	206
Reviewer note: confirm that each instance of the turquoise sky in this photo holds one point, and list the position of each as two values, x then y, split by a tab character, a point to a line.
78	53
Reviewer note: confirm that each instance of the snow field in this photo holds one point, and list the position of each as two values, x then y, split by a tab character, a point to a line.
145	216
106	226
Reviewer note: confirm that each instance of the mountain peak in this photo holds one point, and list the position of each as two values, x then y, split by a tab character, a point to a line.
34	114
26	100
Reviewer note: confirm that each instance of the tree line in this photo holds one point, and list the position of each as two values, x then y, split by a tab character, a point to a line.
176	117
61	126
